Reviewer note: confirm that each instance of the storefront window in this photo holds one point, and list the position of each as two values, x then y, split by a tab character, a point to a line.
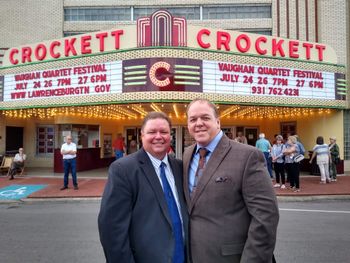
84	136
288	128
45	140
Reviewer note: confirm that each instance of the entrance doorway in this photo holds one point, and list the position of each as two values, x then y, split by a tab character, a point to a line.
133	139
14	139
252	135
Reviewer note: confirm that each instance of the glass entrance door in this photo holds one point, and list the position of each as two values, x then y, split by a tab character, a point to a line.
133	139
251	134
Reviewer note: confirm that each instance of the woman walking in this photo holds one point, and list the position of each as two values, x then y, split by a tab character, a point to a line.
321	150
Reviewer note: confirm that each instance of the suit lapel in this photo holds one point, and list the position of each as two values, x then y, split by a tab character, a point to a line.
216	158
186	167
148	169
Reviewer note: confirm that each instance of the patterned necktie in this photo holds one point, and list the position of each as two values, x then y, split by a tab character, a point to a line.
179	253
203	152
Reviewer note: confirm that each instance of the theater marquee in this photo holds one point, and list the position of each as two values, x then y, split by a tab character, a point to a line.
164	54
172	74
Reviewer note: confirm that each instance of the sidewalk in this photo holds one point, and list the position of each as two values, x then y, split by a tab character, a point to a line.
91	185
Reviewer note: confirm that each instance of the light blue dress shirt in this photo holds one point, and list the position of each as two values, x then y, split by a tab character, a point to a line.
169	175
194	163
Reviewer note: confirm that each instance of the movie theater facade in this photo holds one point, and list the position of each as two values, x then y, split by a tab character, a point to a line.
96	85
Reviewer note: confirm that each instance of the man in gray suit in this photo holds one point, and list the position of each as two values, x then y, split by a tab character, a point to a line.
143	216
230	198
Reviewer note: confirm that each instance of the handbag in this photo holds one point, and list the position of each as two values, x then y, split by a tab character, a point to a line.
298	158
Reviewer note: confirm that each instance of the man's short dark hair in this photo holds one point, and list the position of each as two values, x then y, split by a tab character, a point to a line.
210	104
155	115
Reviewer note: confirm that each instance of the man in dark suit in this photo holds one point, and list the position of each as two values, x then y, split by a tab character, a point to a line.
229	194
137	221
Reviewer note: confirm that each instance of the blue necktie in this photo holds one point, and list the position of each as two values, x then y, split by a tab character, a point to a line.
178	256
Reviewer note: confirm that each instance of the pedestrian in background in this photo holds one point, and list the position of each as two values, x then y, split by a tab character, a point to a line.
241	138
265	147
278	162
232	205
300	145
132	147
334	151
17	163
69	153
119	146
292	167
322	153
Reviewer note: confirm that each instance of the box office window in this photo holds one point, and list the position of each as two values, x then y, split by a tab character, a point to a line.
84	136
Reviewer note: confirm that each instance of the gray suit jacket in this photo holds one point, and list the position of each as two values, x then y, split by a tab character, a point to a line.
233	212
134	222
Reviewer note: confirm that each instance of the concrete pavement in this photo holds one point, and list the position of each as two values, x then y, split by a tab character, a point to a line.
91	185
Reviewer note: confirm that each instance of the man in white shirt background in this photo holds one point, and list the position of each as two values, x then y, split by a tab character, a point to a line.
18	163
69	153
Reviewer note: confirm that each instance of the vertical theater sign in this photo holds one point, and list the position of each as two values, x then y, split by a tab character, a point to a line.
164	58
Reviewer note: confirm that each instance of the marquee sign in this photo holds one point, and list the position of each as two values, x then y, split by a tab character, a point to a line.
257	80
162	74
173	74
163	29
86	80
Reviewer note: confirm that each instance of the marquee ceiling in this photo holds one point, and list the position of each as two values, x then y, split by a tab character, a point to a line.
137	111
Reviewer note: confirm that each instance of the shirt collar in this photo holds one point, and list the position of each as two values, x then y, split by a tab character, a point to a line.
156	162
212	145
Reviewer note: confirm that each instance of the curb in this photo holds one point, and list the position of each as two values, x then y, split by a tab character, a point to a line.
57	200
98	199
312	198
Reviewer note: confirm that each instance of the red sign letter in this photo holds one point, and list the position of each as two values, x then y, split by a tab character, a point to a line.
85	45
12	53
199	38
293	49
257	45
26	54
277	46
101	37
320	49
223	38
52	47
307	47
116	35
247	41
43	52
69	46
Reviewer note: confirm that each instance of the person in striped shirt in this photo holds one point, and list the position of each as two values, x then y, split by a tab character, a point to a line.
321	150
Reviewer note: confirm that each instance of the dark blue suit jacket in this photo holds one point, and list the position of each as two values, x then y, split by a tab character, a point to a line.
134	222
